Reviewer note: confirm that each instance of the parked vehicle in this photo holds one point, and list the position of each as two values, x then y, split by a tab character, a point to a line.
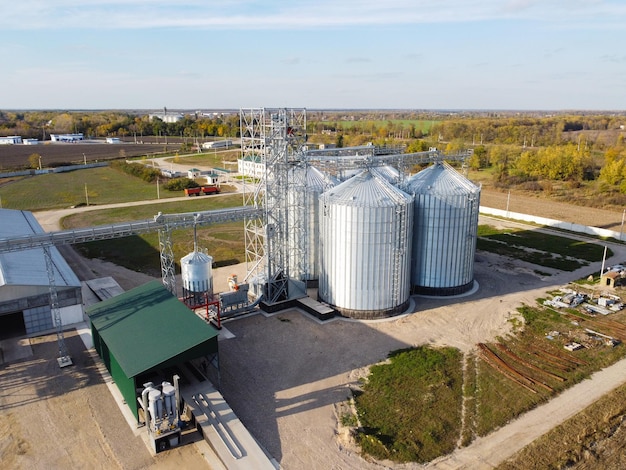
202	190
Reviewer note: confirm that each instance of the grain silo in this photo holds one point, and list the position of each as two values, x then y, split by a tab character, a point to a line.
444	232
197	276
304	265
365	241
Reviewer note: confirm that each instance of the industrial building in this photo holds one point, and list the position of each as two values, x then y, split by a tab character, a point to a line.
215	144
11	140
66	137
148	335
25	282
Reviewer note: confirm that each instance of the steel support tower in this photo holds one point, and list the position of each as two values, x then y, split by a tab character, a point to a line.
276	138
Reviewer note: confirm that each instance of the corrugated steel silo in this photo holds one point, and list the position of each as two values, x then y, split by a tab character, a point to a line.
197	276
444	232
365	240
316	182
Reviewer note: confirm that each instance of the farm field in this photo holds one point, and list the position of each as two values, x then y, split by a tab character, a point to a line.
14	157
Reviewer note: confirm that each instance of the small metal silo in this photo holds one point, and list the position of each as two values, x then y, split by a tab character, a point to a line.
444	231
304	265
197	277
365	234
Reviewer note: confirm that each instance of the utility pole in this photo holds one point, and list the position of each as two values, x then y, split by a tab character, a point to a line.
621	230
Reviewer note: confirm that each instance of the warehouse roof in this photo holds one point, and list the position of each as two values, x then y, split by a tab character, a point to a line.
147	327
28	267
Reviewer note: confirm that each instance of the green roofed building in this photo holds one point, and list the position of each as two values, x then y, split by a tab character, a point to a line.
145	333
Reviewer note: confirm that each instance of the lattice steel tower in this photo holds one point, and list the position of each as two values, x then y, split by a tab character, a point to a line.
276	139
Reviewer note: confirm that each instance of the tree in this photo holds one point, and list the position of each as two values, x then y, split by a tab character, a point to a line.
34	161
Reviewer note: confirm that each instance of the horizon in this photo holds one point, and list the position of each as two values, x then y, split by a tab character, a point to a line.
485	55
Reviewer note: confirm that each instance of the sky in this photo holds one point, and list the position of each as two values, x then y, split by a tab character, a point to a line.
314	54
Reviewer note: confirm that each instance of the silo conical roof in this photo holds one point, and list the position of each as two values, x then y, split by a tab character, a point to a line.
441	180
367	189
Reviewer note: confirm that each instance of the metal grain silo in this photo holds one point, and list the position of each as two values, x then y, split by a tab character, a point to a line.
365	240
444	231
304	263
197	277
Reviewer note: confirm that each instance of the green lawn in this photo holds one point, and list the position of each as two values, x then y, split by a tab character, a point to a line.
59	190
209	158
410	408
224	242
539	248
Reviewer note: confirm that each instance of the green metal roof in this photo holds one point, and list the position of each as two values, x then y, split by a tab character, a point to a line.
147	326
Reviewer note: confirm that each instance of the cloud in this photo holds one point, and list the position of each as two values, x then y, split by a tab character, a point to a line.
297	14
358	60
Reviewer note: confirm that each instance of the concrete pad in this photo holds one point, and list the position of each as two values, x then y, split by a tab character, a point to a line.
15	349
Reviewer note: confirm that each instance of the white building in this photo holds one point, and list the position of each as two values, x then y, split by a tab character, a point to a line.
10	140
217	144
193	173
211	178
31	141
66	137
251	166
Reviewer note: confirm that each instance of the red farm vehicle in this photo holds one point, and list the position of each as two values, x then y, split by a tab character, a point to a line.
202	190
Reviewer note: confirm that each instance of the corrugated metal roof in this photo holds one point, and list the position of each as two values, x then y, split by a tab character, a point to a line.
441	179
388	172
28	267
318	181
147	326
367	189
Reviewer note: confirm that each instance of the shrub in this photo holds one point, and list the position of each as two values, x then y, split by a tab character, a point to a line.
179	184
147	174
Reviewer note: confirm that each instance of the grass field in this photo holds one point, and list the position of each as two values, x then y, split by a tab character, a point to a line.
596	429
539	248
224	242
396	408
226	159
400	419
60	190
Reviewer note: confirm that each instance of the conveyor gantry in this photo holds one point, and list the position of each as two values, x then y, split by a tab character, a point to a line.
163	223
125	229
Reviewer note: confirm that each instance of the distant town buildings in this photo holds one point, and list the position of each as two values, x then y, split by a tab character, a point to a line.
166	117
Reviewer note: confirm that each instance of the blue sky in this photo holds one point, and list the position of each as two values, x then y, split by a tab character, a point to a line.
408	54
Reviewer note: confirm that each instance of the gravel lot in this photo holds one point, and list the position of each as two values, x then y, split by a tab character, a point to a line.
282	374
